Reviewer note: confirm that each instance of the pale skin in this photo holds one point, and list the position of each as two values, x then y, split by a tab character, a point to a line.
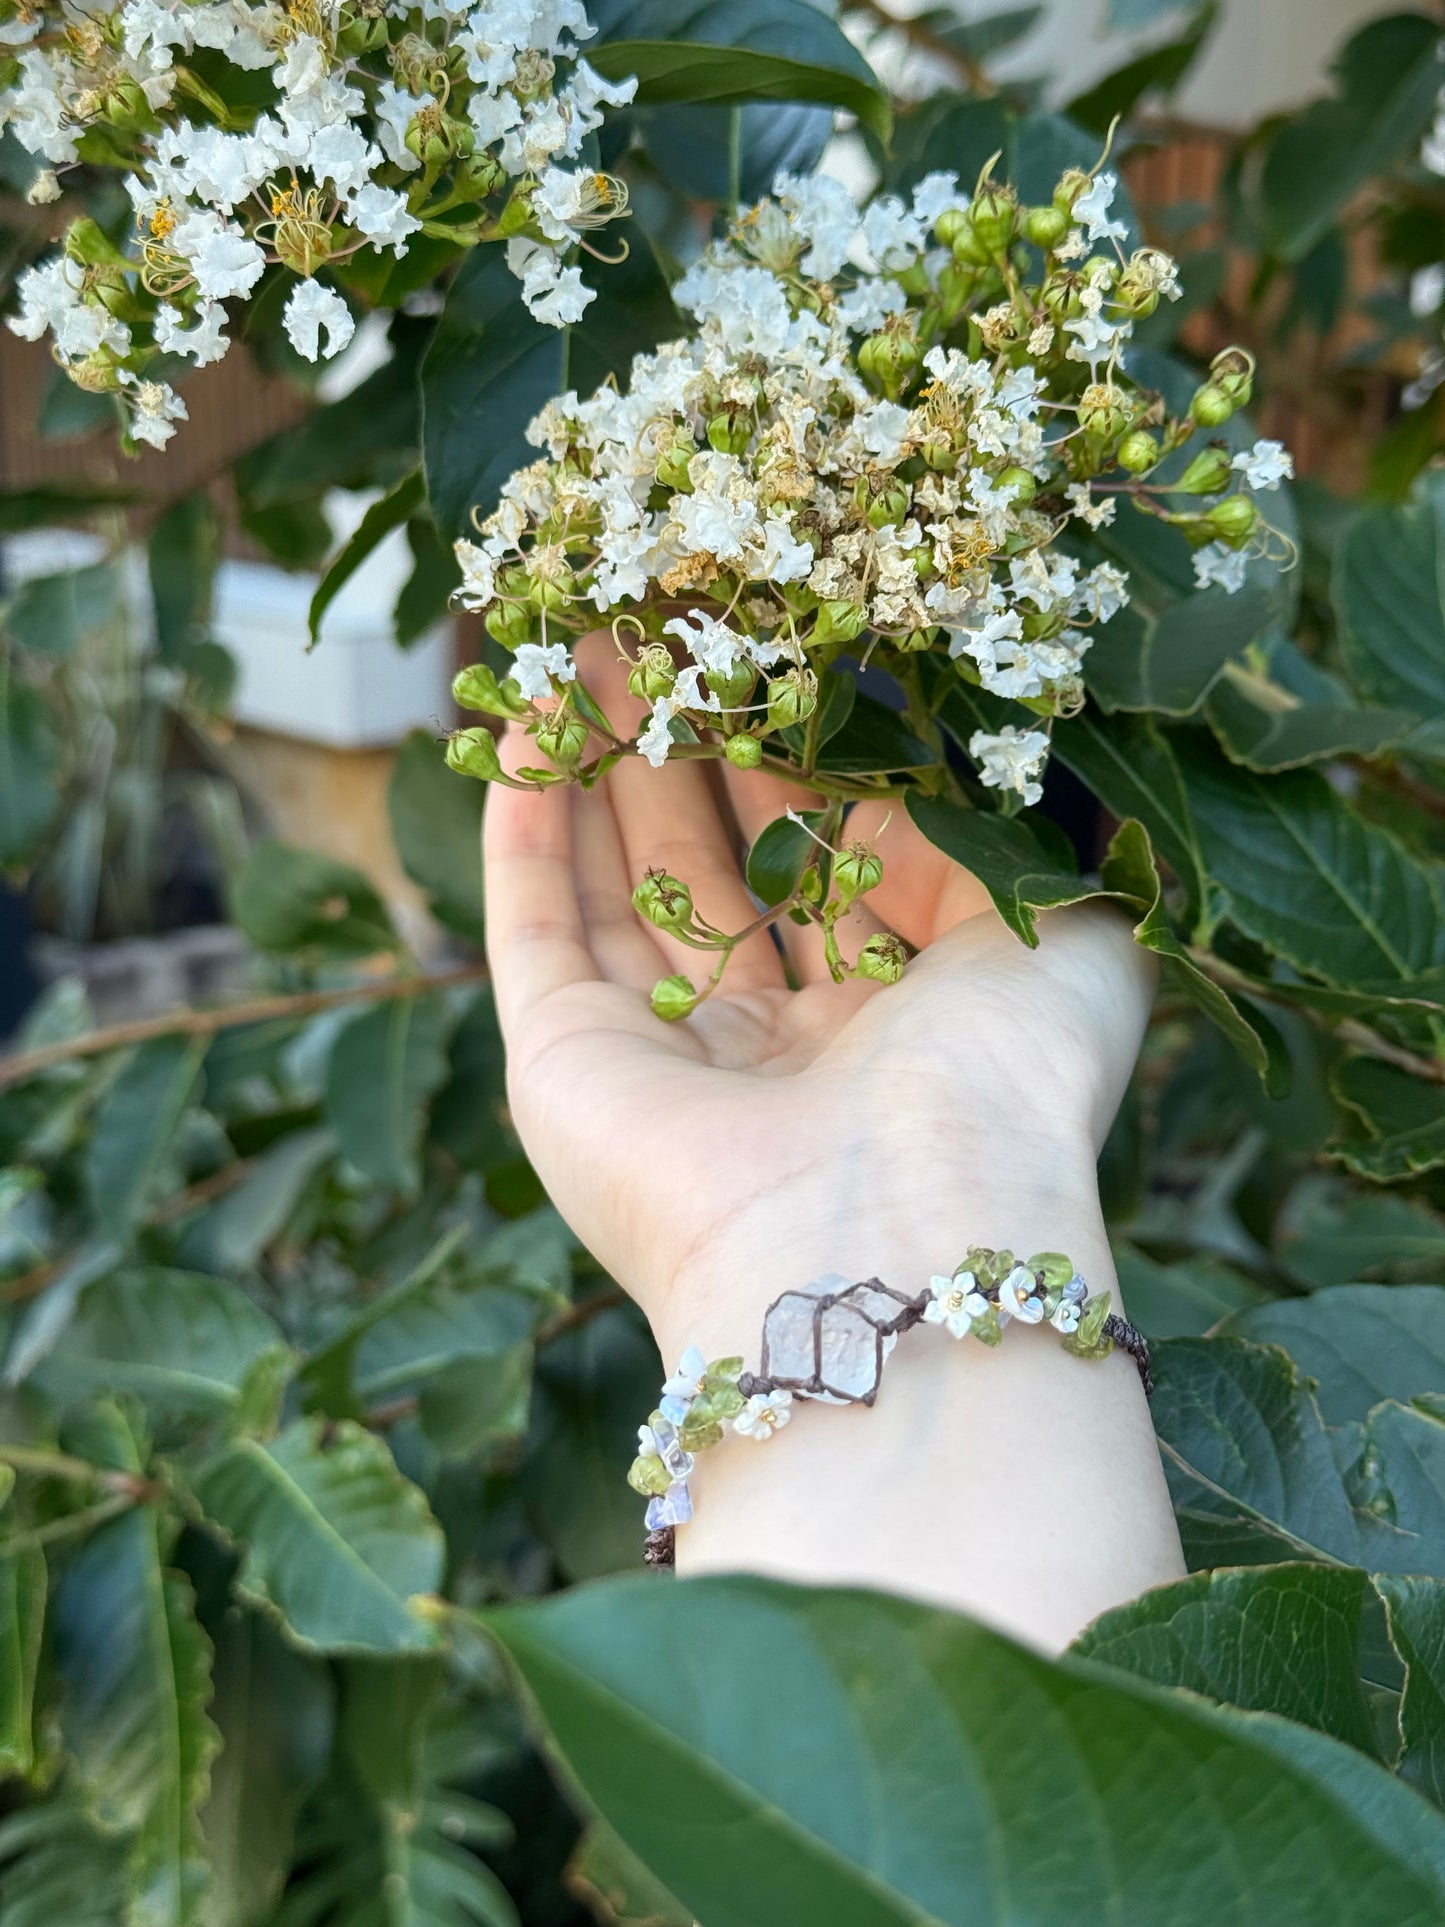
779	1133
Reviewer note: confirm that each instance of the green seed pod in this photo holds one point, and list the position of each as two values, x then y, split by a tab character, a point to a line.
362	33
733	689
1045	226
838	622
473	752
1233	520
673	997
888	508
475	687
915	642
1232	372
941	456
791	698
653	674
1207	473
957	284
1070	187
994	213
663	900
1103	411
1023	485
1138	452
730	433
510	624
743	752
889	358
950	224
479	176
1060	295
672	468
562	737
1210	406
882	959
857	871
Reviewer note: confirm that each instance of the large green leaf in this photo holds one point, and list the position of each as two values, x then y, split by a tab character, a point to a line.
1006	858
181	1342
30	761
436	825
1387	77
1389	590
53	614
1158	70
135	1124
1360	1343
491	368
1330	1236
22	1625
1169	662
733	154
1396	1122
335	1540
1182	1300
135	1670
735	50
1266	738
384	1066
1416	1610
301	902
1268	1639
919	1768
272	1707
1305	876
57	1865
237	1228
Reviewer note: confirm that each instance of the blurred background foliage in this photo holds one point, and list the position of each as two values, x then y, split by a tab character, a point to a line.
301	1371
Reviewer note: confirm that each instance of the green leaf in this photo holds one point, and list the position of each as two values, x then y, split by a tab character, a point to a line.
615	1887
491	362
1169	662
30	761
184	549
1387	77
384	1066
436	824
1360	1343
1180	1300
238	1227
135	1670
780	854
57	1865
425	597
468	1113
741	50
906	1749
1387	589
22	1626
1397	1122
299	901
395	507
135	1126
473	1402
181	1342
1305	876
1267	1639
272	1707
53	614
335	1541
1327	1240
871	738
1005	857
947	133
1266	738
732	154
51	502
1159	70
1416	1613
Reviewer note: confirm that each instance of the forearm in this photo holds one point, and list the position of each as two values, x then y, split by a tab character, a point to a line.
1019	1484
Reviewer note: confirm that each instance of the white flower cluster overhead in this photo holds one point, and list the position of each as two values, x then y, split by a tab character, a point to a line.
898	430
299	134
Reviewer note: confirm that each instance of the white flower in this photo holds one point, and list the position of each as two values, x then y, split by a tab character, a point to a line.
716	647
310	309
226	263
982	642
655	740
44	189
552	293
785	559
764	1414
157	410
1092	209
535	663
1097	511
949	1303
1017	1297
1104	592
934	193
1218	565
381	214
1012	760
894	236
825	216
204	343
1094	334
1265	465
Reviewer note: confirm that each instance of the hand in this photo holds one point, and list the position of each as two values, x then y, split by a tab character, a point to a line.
781	1133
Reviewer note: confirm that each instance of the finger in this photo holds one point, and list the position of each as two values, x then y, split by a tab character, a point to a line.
621	942
669	819
536	944
758	798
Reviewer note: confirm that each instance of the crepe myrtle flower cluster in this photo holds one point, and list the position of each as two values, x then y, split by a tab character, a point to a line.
304	134
896	434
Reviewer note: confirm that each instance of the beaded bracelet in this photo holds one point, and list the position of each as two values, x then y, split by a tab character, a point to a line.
828	1341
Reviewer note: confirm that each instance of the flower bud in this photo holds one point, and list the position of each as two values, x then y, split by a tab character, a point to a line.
994	213
362	31
1070	187
857	871
663	900
1045	226
730	433
838	622
940	455
1232	372
672	468
882	959
1138	452
1023	486
1060	295
473	752
733	688
436	137
510	624
890	357
475	687
1210	406
792	697
1206	474
743	752
1103	411
562	737
950	225
1233	520
480	175
653	674
673	997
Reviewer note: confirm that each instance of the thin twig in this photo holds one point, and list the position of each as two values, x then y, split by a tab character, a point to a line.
205	1023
